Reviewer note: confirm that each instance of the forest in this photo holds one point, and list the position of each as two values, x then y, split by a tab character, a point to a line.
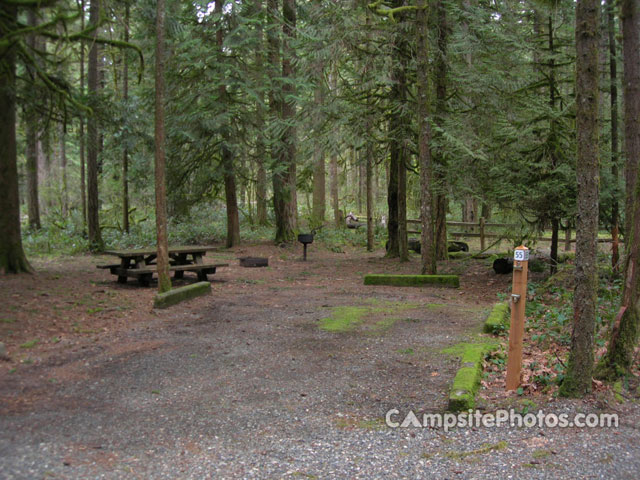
247	120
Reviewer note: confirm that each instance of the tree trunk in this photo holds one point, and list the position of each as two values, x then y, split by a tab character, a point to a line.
288	210
631	99
392	196
553	126
397	199
63	166
427	239
261	150
470	210
577	381
333	186
624	337
370	203
95	235
613	93
164	282
228	171
12	258
555	231
83	188
442	201
333	161
278	174
125	152
32	127
319	175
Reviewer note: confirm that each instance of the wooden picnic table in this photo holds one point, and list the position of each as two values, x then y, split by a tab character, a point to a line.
140	263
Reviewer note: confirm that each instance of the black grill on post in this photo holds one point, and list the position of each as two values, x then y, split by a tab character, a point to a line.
305	239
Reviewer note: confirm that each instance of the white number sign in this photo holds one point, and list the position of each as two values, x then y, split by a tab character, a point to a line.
521	255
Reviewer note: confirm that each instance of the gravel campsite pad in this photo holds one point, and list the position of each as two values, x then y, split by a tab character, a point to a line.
283	372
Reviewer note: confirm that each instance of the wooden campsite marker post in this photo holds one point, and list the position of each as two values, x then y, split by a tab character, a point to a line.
518	301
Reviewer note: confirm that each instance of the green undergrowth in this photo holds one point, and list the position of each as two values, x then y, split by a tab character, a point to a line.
373	316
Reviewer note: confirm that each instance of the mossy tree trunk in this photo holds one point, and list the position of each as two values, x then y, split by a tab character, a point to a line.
125	151
577	381
228	168
624	337
613	94
427	240
164	282
319	170
12	257
93	145
398	125
261	150
32	131
441	200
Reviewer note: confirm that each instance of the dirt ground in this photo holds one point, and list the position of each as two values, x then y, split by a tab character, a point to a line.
245	384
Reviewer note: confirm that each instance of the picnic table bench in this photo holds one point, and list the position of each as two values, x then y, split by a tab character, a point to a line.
141	263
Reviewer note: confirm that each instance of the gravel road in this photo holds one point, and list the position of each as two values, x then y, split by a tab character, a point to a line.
244	384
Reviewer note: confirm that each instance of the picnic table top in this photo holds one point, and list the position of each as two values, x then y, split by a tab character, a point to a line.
137	252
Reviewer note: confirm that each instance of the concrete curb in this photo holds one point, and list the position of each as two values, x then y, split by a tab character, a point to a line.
172	297
452	281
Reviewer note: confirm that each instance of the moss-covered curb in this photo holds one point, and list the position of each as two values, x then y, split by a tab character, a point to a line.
467	380
172	297
452	281
498	320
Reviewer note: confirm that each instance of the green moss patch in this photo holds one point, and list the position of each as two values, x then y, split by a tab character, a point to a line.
498	320
172	297
467	380
347	318
344	319
452	281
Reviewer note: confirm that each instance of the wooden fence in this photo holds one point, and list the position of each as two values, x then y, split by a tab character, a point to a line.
479	229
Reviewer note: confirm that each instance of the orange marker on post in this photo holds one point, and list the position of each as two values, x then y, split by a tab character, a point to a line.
518	302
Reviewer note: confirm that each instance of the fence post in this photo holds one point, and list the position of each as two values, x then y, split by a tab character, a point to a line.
482	242
518	302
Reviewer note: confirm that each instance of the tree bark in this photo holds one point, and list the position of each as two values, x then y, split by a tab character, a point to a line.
83	188
392	197
613	93
441	202
333	164
63	166
284	175
577	381
319	171
125	152
12	257
93	205
624	337
32	127
164	282
427	239
228	171
278	173
261	150
553	126
397	200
